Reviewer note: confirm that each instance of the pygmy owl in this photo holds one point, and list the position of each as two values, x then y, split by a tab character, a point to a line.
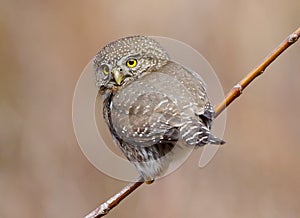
153	106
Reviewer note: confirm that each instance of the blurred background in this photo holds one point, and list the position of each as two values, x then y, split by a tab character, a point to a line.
44	46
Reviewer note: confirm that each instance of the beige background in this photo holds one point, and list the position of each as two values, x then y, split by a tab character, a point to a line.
44	45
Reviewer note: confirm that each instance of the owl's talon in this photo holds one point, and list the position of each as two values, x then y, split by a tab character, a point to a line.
148	182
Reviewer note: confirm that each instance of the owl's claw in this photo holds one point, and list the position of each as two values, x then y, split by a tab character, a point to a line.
148	182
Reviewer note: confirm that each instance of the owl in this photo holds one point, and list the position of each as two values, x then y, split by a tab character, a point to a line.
154	107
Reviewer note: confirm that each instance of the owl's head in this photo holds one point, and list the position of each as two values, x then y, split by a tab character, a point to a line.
127	59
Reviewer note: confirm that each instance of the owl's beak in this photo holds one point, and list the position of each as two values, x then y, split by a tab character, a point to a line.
118	76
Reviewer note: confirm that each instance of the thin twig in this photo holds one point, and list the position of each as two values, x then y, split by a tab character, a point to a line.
235	92
104	208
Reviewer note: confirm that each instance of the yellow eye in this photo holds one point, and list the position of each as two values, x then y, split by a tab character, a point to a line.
131	63
105	69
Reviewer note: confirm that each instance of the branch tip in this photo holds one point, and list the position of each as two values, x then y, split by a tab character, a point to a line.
294	36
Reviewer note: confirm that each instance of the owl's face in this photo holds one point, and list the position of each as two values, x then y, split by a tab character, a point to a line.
125	60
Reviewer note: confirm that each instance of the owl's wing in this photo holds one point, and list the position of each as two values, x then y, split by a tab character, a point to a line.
196	107
195	86
142	117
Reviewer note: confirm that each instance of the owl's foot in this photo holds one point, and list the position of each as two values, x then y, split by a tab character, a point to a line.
148	182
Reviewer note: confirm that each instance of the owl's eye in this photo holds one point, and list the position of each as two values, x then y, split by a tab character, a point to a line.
105	69
131	63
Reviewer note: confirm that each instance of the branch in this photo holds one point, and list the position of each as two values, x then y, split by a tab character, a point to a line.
104	208
235	92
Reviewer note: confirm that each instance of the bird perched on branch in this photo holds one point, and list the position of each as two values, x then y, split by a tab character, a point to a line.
153	106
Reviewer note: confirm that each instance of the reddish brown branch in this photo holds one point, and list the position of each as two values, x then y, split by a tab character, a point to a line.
235	92
104	208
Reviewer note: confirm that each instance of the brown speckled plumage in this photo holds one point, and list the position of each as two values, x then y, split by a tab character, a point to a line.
159	105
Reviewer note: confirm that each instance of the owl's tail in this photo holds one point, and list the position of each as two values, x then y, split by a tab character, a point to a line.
196	133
